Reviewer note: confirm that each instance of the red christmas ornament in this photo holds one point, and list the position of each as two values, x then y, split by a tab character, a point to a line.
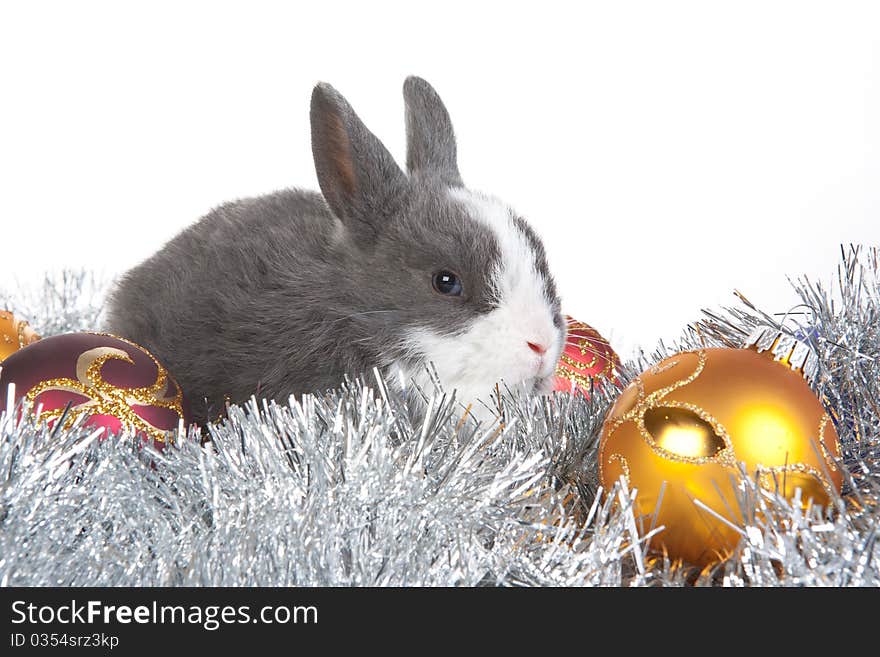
116	382
587	359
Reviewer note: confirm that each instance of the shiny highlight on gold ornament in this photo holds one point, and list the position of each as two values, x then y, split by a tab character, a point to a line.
682	432
682	426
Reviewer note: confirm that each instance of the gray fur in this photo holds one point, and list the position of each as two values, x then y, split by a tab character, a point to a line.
430	139
285	293
359	179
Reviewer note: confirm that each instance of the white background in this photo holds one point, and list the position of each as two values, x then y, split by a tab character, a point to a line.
667	152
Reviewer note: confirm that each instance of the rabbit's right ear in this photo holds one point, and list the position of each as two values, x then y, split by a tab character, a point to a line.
358	177
430	140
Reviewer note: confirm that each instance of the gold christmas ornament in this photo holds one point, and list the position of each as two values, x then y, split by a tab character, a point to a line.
682	426
15	334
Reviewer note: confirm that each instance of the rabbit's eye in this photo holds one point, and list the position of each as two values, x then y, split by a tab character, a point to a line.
447	282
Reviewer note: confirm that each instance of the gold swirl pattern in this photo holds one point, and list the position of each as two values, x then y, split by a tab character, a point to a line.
804	474
624	465
565	358
832	465
805	477
582	373
106	399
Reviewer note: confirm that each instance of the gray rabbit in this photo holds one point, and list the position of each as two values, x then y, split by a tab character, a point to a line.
286	293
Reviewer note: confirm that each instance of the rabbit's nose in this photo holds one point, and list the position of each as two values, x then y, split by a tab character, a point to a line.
537	348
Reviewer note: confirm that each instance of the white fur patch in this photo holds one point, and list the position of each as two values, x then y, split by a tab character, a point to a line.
495	348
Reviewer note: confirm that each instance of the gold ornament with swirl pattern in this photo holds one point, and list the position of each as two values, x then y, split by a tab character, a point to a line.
15	334
683	425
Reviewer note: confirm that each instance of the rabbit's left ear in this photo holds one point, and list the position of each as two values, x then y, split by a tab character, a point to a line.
430	140
360	180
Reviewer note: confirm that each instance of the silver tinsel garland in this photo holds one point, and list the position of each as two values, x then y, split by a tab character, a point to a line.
349	488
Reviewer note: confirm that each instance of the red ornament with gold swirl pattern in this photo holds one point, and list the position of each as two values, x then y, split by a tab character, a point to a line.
116	382
586	360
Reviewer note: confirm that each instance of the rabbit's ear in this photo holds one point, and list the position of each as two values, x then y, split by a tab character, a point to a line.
358	177
430	140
